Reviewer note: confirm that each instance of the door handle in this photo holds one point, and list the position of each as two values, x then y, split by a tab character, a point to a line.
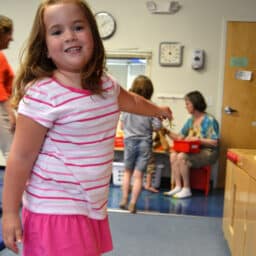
228	110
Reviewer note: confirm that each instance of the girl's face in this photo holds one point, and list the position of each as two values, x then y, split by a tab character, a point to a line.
189	106
5	40
68	36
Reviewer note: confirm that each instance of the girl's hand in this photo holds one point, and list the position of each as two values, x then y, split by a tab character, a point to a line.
12	231
165	112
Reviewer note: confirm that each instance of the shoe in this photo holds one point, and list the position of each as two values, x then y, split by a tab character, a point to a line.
184	193
123	204
132	208
172	192
167	193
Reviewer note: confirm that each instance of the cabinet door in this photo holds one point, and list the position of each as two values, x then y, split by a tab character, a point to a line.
228	204
250	240
240	199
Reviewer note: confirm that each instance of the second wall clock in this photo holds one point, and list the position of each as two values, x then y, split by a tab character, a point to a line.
170	54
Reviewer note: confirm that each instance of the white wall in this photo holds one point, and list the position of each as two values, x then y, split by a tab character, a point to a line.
199	24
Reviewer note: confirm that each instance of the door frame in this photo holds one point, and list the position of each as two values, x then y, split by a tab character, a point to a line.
219	113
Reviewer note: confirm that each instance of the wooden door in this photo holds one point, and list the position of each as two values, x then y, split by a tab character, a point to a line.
238	129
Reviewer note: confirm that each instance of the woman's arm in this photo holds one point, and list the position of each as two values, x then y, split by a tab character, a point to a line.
203	141
133	103
28	139
208	142
11	114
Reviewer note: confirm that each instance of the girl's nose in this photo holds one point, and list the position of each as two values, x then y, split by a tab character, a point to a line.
70	35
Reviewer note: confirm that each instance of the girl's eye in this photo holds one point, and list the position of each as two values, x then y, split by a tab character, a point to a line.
55	32
78	28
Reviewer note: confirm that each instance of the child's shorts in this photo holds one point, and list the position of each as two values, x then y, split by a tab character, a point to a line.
64	235
136	154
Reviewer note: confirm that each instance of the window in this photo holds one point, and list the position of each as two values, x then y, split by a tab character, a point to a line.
125	66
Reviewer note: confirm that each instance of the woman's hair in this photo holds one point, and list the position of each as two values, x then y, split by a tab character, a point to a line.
197	100
35	63
6	25
143	86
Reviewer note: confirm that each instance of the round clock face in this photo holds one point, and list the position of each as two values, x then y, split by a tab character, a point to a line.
106	24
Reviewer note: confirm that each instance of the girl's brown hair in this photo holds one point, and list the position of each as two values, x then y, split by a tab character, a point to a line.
143	86
34	61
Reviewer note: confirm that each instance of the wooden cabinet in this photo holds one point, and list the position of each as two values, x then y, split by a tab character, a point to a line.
250	241
239	218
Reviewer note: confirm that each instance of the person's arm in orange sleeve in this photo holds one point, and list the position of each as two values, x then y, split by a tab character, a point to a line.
6	80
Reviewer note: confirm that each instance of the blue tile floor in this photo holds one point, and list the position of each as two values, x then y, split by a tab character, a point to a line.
155	203
197	205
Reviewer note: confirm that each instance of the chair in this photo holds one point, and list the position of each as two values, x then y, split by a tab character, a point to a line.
200	178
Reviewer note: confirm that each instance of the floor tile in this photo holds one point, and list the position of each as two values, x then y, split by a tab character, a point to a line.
198	204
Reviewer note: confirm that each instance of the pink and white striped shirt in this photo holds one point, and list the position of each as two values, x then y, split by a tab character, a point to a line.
72	172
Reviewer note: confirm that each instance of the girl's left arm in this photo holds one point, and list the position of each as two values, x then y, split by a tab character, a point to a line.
28	139
136	104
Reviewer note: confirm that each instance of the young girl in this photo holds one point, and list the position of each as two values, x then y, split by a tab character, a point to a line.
138	131
62	153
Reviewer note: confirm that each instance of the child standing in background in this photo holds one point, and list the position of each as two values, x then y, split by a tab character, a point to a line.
138	131
62	152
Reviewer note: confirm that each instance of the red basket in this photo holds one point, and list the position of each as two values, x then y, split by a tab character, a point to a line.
119	142
186	146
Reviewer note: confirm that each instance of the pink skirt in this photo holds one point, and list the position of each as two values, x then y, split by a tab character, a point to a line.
64	235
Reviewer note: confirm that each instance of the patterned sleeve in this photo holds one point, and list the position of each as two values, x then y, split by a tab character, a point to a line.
210	128
185	129
38	105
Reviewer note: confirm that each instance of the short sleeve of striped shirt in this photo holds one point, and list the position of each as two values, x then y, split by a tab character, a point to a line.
38	105
114	83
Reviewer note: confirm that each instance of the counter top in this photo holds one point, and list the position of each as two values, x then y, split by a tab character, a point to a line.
243	151
246	160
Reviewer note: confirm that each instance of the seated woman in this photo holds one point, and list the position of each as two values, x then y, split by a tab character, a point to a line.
200	126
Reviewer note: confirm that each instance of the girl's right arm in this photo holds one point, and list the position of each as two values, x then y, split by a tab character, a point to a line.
174	136
136	104
28	139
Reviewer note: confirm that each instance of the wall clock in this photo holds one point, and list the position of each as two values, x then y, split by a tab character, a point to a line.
170	54
106	24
